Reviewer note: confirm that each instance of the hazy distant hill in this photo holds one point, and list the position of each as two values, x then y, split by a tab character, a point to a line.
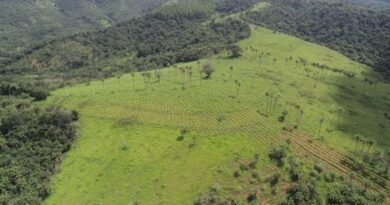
25	21
377	4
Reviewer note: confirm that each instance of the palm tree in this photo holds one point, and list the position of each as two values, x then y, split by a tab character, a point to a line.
370	144
322	120
146	76
238	86
338	117
364	141
231	72
275	102
387	156
300	117
190	76
119	79
133	77
357	138
158	77
270	102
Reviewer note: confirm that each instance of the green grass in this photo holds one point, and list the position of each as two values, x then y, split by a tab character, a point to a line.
115	163
127	150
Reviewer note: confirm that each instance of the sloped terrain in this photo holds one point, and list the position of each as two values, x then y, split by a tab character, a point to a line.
26	22
130	149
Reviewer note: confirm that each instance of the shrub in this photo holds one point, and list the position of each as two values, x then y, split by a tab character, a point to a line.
253	164
251	197
329	177
243	167
319	167
305	192
180	138
274	179
295	174
236	174
183	131
277	154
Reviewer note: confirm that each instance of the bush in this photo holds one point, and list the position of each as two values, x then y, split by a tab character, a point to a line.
274	179
277	154
329	177
244	167
305	192
180	138
253	164
319	167
295	174
251	197
183	131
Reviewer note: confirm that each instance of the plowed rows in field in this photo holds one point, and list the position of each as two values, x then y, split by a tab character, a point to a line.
211	114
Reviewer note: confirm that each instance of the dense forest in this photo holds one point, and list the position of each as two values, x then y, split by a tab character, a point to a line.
361	34
164	37
26	21
32	142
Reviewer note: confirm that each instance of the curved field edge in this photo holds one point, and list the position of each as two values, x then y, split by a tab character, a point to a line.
128	152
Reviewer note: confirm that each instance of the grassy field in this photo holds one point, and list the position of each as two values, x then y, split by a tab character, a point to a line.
128	149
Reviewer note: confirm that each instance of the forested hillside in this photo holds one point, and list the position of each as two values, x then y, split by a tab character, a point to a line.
172	34
23	22
361	34
32	142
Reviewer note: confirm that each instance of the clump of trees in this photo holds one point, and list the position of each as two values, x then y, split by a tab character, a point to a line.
234	51
19	89
32	143
303	192
350	194
207	70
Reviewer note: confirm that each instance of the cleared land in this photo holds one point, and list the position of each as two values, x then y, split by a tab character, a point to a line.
128	149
